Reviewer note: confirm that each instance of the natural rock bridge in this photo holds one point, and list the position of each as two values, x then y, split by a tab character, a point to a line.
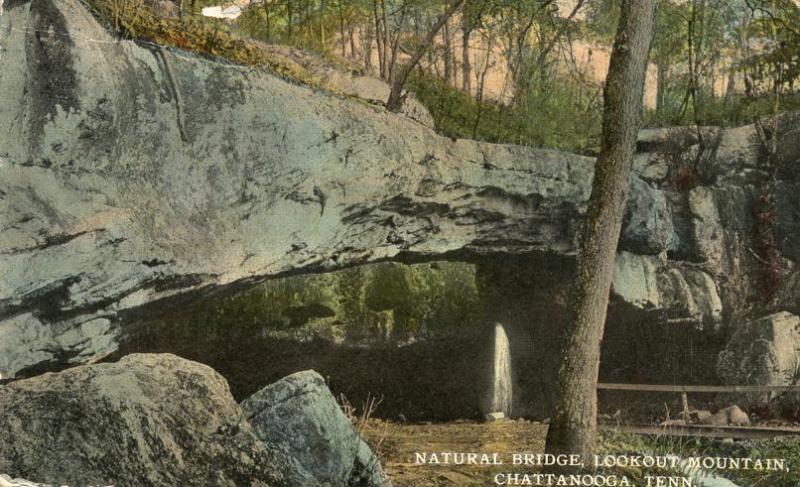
132	175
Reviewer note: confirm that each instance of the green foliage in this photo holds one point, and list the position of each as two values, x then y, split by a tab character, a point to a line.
379	302
558	115
732	111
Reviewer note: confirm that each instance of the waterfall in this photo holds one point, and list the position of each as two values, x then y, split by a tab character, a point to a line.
501	393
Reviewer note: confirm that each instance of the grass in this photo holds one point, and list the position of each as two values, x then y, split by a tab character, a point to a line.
733	111
134	20
550	118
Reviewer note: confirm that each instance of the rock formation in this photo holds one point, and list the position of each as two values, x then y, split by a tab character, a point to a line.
763	352
299	414
135	177
148	420
133	173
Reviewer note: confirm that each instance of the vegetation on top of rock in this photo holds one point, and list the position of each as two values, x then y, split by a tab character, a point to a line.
137	20
531	74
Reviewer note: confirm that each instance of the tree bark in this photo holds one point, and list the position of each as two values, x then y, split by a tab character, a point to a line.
395	101
448	55
662	71
466	67
379	41
386	41
342	35
573	429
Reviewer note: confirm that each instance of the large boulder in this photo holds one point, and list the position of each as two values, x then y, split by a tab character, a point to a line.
635	280
682	292
300	414
647	225
147	420
765	352
707	233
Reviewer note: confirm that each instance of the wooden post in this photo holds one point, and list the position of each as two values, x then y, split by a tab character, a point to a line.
685	399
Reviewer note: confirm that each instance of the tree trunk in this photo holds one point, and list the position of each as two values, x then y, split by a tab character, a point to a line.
342	35
662	69
449	76
395	101
322	24
466	67
366	42
386	41
289	20
396	41
267	22
573	429
378	40
351	31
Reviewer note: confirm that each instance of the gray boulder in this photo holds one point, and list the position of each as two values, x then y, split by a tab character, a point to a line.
635	280
647	227
687	293
147	420
299	414
765	351
707	233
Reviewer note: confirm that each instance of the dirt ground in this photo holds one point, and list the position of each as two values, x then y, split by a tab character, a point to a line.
397	443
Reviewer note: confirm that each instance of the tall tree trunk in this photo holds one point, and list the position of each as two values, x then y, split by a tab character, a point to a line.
466	67
322	24
573	429
289	20
267	22
662	77
449	75
367	44
343	37
396	41
378	40
395	101
387	39
482	84
351	31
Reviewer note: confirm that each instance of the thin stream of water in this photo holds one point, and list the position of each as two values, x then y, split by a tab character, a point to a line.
502	387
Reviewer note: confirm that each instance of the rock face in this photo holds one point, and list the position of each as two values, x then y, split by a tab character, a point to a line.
135	178
300	415
764	352
132	174
148	420
648	221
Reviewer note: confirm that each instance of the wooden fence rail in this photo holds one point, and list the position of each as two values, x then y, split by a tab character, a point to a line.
683	388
